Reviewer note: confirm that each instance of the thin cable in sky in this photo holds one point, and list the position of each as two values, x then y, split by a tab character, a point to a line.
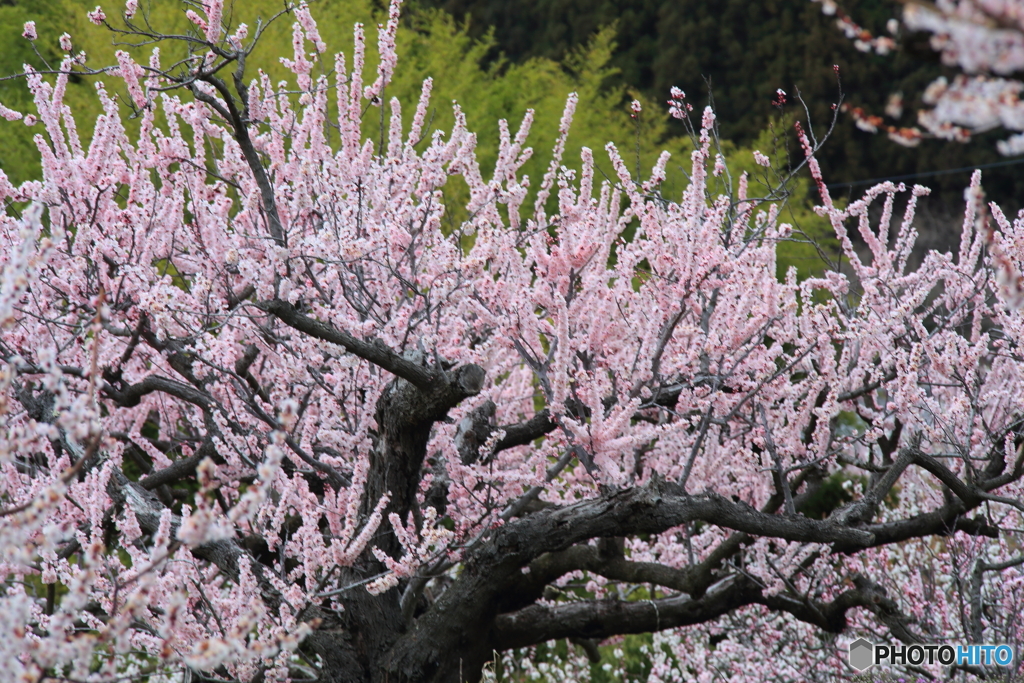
928	174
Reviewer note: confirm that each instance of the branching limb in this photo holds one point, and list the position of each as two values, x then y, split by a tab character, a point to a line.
377	352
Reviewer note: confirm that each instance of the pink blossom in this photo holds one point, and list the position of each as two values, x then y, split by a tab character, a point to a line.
214	10
97	16
677	106
719	165
130	72
986	40
305	19
238	37
65	42
10	114
194	17
386	48
29	31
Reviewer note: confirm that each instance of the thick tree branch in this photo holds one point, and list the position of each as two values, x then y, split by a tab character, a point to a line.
377	352
405	415
179	468
942	522
960	489
130	396
864	509
831	616
599	619
239	127
523	433
547	568
495	566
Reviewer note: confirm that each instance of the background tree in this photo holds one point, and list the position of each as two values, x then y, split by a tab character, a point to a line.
986	40
267	414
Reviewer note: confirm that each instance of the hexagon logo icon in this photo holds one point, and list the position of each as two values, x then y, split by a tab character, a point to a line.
861	654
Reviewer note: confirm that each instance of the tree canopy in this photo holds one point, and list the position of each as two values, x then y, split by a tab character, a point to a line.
297	385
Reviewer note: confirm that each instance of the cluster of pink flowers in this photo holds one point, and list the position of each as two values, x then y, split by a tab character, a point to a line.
386	48
97	16
863	39
678	107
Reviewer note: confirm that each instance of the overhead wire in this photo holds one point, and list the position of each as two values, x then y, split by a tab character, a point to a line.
927	174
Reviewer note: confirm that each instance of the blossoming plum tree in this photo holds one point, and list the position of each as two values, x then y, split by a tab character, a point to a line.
264	417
